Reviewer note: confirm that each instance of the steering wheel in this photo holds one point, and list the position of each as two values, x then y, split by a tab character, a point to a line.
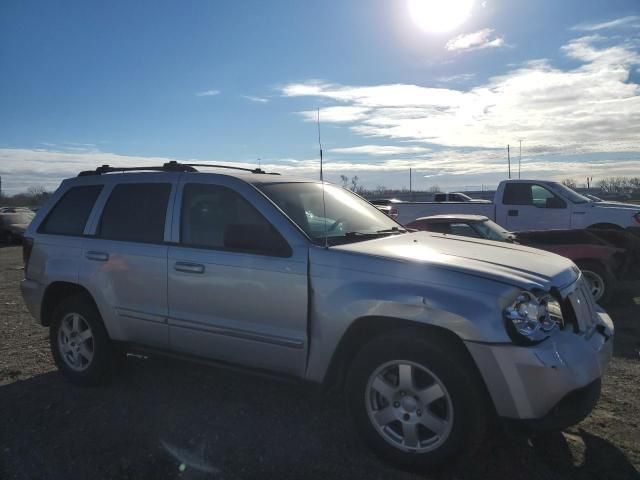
335	224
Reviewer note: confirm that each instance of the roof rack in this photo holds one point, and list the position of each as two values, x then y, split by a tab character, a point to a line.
171	166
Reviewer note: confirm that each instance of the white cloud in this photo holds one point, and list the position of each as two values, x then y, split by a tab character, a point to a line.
251	98
461	77
632	21
380	150
590	108
336	114
208	93
21	168
475	41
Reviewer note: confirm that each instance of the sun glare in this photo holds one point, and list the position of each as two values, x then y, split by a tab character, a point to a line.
439	15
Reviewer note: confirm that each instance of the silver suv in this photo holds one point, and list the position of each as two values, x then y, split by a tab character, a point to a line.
430	335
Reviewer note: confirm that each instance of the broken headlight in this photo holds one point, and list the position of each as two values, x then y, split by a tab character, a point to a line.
530	318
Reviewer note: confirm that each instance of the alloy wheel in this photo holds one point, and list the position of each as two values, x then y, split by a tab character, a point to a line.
409	406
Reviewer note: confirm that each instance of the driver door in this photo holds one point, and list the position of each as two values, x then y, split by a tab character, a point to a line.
242	306
530	206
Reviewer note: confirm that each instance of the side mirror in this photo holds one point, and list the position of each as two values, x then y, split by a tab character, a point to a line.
259	239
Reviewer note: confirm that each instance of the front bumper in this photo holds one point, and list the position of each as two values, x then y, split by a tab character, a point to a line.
540	382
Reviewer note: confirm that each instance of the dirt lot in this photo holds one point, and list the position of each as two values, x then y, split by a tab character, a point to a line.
167	419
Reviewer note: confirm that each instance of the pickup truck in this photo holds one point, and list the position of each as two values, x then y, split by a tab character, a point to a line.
429	338
533	205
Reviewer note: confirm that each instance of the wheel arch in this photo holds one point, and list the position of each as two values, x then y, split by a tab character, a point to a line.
55	293
365	328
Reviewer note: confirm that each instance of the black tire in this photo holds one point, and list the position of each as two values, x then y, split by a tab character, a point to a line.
453	367
604	226
105	357
590	267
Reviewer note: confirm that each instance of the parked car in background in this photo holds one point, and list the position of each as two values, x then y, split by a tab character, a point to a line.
456	197
602	263
13	223
533	205
386	206
429	338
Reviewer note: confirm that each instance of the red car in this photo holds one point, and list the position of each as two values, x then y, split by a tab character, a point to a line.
602	263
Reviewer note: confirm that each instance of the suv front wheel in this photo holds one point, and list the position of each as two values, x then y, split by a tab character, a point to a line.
416	400
79	342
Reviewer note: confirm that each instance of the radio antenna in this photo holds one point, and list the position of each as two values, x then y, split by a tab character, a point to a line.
324	205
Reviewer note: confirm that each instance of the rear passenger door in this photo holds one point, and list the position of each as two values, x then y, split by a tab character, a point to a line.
125	257
243	306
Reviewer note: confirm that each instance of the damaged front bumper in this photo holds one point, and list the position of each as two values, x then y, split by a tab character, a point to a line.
554	384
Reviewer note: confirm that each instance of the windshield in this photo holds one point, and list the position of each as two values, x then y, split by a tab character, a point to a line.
347	218
492	231
571	195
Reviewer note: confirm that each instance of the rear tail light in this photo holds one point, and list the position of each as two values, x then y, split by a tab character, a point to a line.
393	213
27	246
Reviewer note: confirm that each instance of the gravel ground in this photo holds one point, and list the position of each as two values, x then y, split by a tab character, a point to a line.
164	419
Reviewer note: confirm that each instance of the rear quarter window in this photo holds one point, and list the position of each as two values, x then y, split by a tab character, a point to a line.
69	216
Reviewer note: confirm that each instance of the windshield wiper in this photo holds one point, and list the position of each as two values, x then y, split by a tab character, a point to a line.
392	230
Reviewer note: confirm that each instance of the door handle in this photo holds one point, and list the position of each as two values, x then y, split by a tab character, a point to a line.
513	213
97	256
187	267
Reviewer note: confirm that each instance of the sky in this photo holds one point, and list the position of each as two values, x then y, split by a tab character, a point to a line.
438	87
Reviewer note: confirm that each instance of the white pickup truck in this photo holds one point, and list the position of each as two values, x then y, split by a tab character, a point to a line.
533	205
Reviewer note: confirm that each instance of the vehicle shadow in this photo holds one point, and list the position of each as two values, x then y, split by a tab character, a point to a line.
166	419
625	312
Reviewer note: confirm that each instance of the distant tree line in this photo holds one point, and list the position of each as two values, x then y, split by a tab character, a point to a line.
610	184
34	196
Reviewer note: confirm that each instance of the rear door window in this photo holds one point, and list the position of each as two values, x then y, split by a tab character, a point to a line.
135	212
517	194
69	216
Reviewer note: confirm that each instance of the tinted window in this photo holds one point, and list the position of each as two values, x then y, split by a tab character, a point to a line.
517	194
463	230
439	227
531	194
213	215
136	212
70	214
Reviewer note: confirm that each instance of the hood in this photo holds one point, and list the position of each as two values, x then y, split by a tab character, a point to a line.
504	262
624	206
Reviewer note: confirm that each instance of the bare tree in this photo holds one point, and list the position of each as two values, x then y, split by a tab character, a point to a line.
569	182
345	180
434	189
354	183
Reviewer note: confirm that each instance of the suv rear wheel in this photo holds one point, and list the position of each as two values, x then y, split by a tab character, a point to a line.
79	342
417	401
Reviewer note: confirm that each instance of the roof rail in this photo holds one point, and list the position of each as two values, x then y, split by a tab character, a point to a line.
171	166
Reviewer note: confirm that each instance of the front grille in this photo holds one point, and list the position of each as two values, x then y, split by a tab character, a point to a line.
580	302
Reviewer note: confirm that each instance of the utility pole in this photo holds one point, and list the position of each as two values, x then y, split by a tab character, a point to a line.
509	160
520	159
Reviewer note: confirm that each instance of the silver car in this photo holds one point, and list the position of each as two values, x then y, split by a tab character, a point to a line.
430	337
